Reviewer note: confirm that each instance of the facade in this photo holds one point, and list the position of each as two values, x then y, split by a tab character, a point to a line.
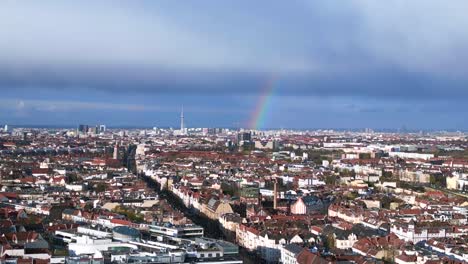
353	215
412	233
230	222
265	245
458	181
345	242
266	144
183	231
410	155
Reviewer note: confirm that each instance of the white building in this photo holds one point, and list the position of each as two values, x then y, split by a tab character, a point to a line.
409	232
345	243
411	155
289	254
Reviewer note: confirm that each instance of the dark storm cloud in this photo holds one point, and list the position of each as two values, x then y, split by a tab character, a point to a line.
325	48
374	83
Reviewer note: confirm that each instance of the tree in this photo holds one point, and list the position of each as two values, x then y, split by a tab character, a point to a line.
364	156
100	187
438	180
329	241
352	195
330	180
348	173
230	189
73	177
130	214
386	174
88	206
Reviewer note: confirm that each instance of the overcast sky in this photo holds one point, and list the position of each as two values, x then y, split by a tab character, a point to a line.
334	64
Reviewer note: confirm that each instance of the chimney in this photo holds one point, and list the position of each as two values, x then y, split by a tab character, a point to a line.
116	151
275	195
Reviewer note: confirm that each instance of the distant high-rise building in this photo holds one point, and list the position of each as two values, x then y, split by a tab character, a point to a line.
212	131
83	129
244	140
243	137
5	129
102	128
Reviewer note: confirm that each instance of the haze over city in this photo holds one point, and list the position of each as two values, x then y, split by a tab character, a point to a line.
302	64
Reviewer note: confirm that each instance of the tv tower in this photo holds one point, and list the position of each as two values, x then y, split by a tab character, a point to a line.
182	128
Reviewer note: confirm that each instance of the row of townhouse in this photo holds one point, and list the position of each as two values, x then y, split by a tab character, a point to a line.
453	247
412	233
41	209
351	214
267	244
378	247
109	221
213	208
254	240
188	197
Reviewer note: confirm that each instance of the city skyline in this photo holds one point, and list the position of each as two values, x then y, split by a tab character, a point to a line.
333	65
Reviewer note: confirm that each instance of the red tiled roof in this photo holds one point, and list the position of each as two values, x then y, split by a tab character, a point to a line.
121	222
307	257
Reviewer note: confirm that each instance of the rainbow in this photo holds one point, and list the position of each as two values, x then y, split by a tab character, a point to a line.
257	119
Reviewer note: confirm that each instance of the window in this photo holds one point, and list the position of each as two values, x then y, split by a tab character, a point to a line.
209	255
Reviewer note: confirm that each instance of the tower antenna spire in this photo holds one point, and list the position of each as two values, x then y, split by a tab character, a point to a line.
182	128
